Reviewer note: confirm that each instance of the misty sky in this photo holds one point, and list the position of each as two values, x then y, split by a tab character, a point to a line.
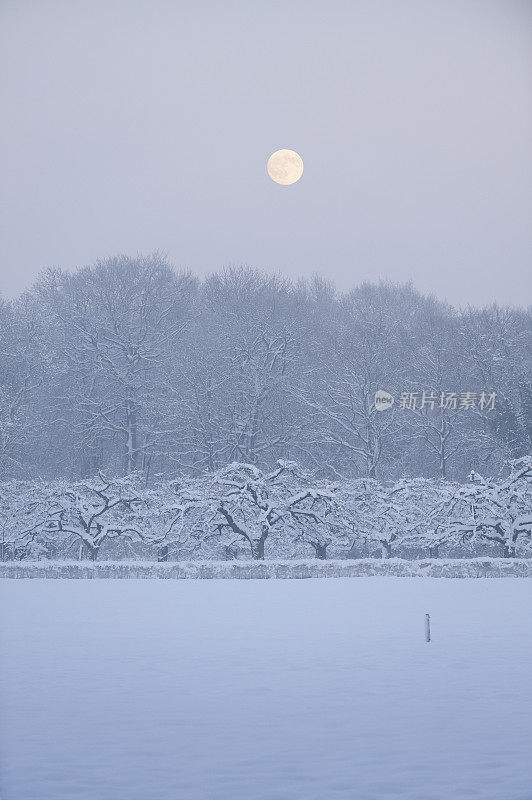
134	126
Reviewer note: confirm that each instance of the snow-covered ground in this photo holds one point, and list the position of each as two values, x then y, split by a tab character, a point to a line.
265	690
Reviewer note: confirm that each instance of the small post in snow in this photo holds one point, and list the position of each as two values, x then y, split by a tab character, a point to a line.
427	627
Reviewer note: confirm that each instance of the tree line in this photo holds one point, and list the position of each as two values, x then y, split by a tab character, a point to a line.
130	367
241	511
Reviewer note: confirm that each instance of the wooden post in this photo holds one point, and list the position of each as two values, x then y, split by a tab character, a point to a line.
427	627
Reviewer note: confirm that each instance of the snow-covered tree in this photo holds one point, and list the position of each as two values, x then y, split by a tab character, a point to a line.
21	359
128	365
231	507
241	495
383	514
22	511
111	327
498	512
309	510
91	512
427	502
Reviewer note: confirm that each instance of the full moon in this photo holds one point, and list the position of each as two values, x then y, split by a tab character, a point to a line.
285	167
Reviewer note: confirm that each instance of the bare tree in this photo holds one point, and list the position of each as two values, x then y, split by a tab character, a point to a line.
118	323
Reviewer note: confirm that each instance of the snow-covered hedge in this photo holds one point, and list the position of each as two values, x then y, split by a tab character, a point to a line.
394	567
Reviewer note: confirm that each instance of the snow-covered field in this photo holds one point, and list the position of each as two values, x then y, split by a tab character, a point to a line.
265	690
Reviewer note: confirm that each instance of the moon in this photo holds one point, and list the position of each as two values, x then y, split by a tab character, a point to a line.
285	167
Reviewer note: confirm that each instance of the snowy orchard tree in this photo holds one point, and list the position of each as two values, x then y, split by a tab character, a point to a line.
231	506
410	514
241	504
176	520
214	515
241	498
497	512
385	515
250	505
309	509
22	510
425	502
312	516
91	512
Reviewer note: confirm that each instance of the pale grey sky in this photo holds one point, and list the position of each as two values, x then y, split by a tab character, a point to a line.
134	125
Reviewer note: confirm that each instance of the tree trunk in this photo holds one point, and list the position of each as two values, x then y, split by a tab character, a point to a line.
257	548
91	553
508	550
386	550
131	448
321	551
443	455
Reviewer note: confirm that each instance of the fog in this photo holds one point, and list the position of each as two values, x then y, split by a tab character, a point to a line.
135	126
